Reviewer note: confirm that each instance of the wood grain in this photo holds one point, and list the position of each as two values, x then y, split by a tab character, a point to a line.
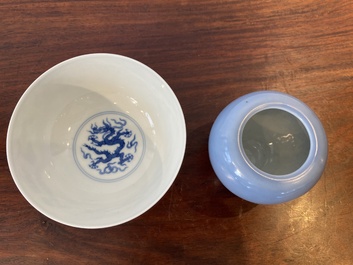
210	52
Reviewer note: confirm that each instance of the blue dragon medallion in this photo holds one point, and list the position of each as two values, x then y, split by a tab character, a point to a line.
109	146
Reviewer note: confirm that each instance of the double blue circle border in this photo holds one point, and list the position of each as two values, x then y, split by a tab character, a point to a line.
84	124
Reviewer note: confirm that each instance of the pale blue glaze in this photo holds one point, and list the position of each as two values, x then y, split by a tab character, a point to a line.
236	171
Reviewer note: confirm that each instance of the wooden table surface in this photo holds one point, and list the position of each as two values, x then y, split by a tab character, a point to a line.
210	52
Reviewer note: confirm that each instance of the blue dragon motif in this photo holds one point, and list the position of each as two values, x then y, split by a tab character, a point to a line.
111	146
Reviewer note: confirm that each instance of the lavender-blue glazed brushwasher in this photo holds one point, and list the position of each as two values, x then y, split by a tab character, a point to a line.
268	147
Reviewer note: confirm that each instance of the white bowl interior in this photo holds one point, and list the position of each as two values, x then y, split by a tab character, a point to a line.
44	124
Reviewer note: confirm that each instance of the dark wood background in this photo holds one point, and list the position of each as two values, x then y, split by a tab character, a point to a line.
210	52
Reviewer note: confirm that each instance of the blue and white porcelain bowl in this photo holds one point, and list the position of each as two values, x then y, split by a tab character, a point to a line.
268	147
96	141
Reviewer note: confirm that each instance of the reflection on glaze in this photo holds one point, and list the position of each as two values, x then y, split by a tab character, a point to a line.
275	141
